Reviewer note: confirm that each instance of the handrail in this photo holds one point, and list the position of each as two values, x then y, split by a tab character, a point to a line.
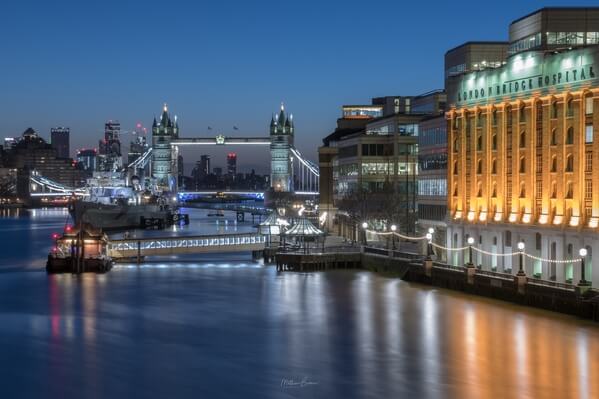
198	237
536	281
490	273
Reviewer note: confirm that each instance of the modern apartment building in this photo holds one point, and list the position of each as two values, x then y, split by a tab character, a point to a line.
368	165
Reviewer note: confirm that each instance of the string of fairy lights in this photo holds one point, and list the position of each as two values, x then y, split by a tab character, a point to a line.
429	237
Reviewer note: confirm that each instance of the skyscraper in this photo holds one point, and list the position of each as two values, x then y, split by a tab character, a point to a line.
204	165
87	159
180	167
59	139
232	164
110	148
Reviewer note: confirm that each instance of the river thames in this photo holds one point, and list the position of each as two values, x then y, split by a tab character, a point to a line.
224	326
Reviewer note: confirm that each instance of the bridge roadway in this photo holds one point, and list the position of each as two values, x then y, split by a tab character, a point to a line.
160	246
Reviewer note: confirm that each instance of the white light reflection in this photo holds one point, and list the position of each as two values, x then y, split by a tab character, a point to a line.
582	347
430	344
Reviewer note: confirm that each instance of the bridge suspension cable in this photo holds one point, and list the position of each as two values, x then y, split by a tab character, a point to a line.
306	174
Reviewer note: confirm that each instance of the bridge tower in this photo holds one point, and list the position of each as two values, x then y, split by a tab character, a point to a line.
164	155
281	140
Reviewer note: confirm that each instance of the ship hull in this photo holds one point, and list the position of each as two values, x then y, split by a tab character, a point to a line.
117	217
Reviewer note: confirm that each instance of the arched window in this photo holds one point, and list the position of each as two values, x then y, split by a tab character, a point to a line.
479	192
455	167
570	163
494	167
570	135
554	137
569	108
554	164
456	145
494	193
554	109
588	262
494	142
494	116
522	139
539	241
495	240
479	142
479	166
522	190
553	189
522	165
455	190
508	114
569	190
508	238
522	113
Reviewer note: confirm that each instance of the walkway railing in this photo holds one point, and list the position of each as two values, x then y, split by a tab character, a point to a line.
172	245
549	283
489	273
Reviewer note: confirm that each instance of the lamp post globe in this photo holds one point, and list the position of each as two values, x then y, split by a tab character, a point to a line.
521	246
431	230
393	229
429	236
364	225
583	253
470	242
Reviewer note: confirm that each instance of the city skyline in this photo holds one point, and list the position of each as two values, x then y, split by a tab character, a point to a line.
239	80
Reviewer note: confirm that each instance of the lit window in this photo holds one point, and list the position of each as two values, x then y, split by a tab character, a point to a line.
588	136
589	105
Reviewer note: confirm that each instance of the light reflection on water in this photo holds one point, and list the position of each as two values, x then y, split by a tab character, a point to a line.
226	326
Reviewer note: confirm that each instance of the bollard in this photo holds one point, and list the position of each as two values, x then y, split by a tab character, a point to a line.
470	272
428	267
520	280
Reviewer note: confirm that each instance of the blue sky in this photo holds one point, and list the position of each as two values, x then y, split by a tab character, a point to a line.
225	63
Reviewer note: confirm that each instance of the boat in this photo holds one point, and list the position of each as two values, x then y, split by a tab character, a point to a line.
78	250
117	208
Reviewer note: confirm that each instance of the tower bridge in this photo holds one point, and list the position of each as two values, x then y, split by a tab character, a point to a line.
290	172
285	175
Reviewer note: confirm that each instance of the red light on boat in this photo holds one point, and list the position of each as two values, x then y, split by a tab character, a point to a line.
54	249
68	228
54	236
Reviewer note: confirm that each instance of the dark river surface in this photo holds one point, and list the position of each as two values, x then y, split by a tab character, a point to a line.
223	326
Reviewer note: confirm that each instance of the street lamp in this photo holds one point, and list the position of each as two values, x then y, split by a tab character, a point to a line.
470	243
393	228
429	246
521	258
583	253
364	227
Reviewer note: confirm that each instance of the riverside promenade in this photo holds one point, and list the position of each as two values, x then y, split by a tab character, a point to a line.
418	268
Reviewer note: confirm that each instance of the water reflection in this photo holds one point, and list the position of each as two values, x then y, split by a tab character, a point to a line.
226	326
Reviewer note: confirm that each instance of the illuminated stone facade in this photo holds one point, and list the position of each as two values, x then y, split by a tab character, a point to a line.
521	153
281	141
164	155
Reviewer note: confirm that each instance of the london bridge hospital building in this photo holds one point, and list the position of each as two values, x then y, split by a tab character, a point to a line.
522	146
